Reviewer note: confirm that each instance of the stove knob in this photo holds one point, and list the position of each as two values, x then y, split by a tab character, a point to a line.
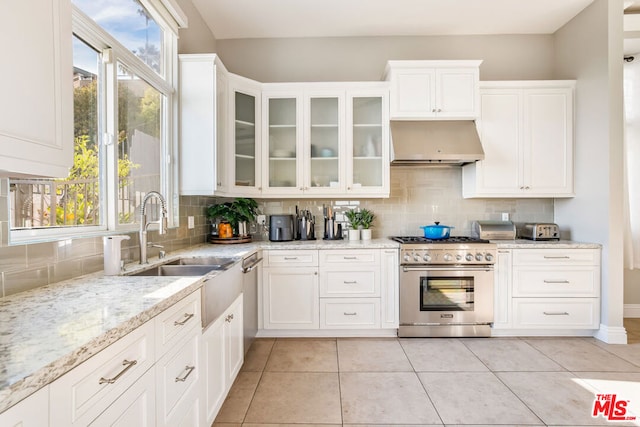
406	258
447	257
426	257
488	257
479	257
458	257
417	258
469	257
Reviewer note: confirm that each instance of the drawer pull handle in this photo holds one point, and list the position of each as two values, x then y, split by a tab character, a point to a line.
229	318
187	317
127	364
350	257
555	313
290	258
557	281
189	369
350	314
556	257
350	282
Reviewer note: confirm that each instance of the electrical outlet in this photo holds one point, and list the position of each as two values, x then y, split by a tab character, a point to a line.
505	216
262	219
190	222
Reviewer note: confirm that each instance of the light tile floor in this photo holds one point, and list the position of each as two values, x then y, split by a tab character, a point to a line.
431	382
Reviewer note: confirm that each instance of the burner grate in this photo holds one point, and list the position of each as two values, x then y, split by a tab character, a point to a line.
452	239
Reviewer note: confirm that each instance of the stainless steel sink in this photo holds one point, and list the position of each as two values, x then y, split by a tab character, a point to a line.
178	270
217	262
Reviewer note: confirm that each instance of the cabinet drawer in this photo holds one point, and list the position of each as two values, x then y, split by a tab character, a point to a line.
175	323
350	283
83	393
349	313
556	313
303	258
556	282
556	257
349	257
177	377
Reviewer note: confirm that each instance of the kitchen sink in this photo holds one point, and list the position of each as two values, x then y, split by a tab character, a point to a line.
188	266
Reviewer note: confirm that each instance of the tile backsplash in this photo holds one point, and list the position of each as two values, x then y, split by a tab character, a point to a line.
419	196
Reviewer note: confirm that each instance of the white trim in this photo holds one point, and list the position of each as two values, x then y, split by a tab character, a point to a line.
632	310
326	333
509	332
612	335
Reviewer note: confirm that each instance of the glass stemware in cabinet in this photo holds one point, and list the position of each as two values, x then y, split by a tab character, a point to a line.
367	142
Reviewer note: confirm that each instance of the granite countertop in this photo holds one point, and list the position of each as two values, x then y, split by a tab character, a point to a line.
550	244
48	331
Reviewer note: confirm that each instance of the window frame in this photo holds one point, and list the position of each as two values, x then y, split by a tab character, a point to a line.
113	52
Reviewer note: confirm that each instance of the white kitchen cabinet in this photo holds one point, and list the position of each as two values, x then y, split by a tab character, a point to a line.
223	355
244	158
442	90
37	87
325	140
526	130
203	85
30	412
390	288
547	291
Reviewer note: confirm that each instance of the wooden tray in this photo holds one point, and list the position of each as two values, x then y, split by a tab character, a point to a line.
229	240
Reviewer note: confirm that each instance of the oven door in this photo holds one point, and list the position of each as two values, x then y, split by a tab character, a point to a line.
446	295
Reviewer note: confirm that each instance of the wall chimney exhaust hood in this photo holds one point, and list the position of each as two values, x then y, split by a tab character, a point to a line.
434	142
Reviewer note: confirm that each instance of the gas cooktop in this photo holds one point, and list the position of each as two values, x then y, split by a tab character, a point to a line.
452	239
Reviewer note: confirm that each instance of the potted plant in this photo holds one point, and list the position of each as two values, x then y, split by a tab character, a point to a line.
353	216
366	220
237	213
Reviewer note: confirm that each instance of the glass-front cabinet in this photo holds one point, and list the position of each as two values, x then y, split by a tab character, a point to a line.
368	142
244	164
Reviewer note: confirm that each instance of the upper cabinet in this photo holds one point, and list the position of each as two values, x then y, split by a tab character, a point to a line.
203	131
433	90
36	119
526	129
324	140
244	159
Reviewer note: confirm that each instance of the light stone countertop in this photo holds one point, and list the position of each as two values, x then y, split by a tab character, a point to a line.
46	332
550	244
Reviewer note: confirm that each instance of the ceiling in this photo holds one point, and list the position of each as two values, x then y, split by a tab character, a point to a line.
233	19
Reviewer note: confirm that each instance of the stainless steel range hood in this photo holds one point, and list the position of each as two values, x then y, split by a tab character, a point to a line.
437	142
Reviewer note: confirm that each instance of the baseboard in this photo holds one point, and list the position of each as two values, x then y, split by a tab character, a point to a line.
612	335
632	310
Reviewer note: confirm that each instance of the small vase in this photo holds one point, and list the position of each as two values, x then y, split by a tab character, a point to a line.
354	234
365	234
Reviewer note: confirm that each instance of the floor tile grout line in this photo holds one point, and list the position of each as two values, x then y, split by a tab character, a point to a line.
244	418
518	397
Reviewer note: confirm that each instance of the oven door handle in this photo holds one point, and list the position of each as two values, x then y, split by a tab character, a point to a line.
457	268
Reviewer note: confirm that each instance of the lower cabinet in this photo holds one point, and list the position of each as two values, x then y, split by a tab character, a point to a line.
341	289
222	358
30	412
547	292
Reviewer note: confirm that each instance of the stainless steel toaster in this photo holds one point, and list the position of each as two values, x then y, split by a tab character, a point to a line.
538	231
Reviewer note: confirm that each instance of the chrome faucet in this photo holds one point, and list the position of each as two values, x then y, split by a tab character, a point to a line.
144	224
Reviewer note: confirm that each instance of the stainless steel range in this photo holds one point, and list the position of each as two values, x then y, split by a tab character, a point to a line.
446	287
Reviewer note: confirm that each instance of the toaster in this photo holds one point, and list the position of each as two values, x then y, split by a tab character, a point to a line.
538	231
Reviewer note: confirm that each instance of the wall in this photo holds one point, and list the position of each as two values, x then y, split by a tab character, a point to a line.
25	267
364	58
421	196
589	48
197	38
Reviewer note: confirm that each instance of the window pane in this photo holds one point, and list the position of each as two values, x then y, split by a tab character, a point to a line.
131	24
74	200
140	112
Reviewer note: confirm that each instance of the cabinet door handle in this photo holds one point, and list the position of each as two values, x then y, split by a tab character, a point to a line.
189	369
556	257
555	313
433	110
187	317
557	281
439	110
127	364
229	318
350	314
349	282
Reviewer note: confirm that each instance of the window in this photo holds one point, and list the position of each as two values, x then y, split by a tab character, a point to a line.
123	54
